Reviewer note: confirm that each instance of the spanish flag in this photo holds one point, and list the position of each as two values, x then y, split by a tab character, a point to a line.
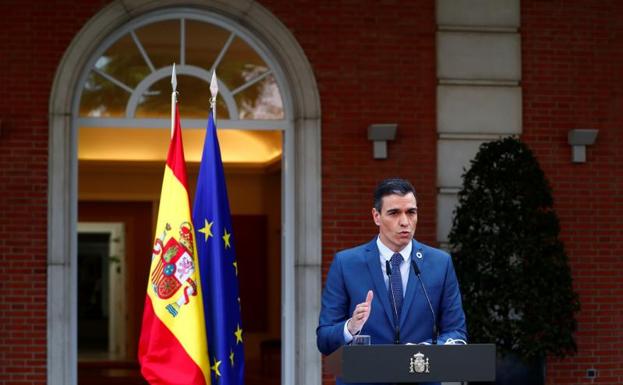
173	345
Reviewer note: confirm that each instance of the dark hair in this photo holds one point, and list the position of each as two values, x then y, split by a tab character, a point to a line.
391	186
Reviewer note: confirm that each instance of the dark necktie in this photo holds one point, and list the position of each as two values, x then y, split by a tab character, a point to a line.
396	282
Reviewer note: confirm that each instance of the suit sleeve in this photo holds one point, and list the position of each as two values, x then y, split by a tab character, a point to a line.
333	311
451	317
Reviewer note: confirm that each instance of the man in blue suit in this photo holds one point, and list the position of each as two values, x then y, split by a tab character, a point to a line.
373	289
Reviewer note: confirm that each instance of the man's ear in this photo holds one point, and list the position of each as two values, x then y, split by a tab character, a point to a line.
376	216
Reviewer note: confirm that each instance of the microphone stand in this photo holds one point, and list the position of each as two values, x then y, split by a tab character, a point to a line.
417	272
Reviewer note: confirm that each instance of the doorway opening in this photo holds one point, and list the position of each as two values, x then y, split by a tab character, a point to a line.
254	196
93	297
102	312
123	125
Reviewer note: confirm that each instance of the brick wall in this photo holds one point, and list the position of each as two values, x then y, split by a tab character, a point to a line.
34	37
573	78
374	63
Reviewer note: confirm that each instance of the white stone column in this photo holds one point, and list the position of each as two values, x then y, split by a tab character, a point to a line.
478	88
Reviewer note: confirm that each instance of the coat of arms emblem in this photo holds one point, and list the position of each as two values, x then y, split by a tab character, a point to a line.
175	268
419	363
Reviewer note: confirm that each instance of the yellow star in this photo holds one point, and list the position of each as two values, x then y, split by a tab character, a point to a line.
207	229
238	334
231	357
236	267
215	367
226	239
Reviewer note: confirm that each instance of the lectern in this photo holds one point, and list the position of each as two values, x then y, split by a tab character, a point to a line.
413	363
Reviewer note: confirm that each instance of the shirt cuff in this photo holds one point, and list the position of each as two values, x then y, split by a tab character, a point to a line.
347	336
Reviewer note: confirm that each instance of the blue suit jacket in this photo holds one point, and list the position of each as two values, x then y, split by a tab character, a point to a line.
357	270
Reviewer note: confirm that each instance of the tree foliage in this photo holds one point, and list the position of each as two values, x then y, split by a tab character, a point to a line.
513	269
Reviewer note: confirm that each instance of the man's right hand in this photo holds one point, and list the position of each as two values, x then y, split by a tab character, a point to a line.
360	315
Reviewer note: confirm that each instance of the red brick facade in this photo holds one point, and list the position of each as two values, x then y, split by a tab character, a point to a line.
573	78
374	63
34	38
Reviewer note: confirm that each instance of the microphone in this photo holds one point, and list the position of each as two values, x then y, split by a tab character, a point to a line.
417	272
388	271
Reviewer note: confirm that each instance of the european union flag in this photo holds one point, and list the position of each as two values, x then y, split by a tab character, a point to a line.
218	266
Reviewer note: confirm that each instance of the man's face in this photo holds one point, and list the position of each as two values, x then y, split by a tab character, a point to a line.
397	220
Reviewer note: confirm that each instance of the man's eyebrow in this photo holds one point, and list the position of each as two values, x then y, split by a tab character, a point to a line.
393	210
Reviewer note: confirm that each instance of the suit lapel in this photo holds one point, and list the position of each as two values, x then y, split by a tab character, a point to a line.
374	268
412	286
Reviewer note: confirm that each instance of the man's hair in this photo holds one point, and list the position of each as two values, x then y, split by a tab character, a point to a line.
389	187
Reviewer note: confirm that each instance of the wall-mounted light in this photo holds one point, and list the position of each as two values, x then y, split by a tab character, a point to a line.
579	139
379	134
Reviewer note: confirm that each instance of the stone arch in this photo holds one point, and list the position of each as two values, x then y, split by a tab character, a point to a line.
301	254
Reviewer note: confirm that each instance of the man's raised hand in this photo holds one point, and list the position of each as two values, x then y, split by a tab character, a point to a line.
360	314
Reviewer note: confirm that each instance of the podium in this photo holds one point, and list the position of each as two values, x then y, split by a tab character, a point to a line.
413	363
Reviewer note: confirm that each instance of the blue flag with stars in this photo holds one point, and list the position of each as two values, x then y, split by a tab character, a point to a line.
218	266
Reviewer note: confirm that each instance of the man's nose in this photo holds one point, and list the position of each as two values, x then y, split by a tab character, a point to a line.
404	221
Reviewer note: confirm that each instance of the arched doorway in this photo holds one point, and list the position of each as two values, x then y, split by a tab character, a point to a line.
300	181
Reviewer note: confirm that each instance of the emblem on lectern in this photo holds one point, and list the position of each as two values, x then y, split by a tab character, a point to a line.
419	363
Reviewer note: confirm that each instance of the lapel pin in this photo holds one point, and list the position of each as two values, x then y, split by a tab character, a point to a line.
419	254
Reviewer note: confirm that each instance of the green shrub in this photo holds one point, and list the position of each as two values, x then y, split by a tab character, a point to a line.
512	268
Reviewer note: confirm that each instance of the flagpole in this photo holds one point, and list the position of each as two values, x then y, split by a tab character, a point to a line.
214	92
218	266
173	346
173	98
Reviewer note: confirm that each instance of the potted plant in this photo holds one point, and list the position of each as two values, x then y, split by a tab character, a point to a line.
512	267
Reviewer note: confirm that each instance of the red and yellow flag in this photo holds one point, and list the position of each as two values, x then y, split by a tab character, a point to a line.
173	345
